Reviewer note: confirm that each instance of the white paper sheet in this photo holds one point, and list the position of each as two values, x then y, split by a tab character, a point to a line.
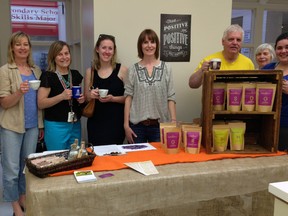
136	147
108	149
144	167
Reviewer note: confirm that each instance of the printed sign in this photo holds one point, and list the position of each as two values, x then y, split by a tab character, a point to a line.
175	37
46	15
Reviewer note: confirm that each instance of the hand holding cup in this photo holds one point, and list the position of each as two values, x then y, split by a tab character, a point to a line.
34	84
103	93
215	64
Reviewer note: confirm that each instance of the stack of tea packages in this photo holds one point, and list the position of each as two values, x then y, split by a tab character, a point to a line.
237	97
244	96
175	136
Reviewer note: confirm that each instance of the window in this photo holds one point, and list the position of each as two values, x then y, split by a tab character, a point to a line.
244	18
262	21
274	24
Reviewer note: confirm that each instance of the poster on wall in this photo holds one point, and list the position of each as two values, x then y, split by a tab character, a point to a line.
175	38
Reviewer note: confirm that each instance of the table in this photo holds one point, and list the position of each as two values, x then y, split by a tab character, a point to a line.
177	186
280	191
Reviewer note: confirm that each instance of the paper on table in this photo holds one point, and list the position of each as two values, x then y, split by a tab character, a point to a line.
136	147
145	167
108	149
44	153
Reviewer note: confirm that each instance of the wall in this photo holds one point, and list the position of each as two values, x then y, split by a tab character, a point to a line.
125	20
5	30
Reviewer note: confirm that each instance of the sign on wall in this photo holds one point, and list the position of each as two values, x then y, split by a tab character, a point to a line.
175	38
35	20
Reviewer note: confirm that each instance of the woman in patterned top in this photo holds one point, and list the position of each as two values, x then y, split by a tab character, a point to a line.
149	91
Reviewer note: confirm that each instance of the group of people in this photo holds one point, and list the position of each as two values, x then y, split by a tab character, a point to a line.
266	57
52	112
139	97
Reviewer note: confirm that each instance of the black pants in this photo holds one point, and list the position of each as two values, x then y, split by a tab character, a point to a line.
283	139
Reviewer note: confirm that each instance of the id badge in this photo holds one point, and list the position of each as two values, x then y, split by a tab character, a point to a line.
71	116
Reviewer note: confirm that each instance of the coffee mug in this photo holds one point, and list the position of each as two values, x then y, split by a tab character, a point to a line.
76	91
215	64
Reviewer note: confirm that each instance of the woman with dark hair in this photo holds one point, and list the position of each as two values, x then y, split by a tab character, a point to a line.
21	120
281	49
149	91
106	124
62	112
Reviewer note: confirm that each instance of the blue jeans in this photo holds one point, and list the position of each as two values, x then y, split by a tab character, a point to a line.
60	135
15	149
145	133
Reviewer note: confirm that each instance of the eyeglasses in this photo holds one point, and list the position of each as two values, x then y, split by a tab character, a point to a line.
106	36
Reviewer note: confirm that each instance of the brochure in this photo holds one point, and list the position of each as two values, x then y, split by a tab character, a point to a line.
83	176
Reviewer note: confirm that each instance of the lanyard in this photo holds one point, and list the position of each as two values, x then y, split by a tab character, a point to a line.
65	84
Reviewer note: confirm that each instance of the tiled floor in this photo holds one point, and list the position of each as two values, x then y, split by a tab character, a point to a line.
5	208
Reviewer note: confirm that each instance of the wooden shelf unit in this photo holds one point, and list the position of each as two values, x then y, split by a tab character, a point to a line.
262	128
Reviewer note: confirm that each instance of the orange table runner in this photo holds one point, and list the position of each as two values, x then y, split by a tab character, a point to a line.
159	157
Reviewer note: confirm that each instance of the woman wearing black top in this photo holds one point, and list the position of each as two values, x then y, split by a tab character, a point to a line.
106	126
62	113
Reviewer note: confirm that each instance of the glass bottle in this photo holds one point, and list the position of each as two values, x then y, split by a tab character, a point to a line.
82	151
73	152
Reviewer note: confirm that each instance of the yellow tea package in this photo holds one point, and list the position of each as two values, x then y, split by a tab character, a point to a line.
220	137
192	139
219	96
162	125
234	96
249	97
265	94
172	139
237	135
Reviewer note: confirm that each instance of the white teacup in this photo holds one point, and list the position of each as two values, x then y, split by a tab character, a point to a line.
34	84
215	64
103	93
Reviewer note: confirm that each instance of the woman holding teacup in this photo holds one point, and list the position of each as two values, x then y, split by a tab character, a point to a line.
62	112
106	124
21	120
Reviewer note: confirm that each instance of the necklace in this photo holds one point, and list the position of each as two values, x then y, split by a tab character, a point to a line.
24	69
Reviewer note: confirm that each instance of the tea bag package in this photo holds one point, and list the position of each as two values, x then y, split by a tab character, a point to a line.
192	139
234	96
237	138
162	126
183	127
219	96
172	139
249	97
220	137
265	94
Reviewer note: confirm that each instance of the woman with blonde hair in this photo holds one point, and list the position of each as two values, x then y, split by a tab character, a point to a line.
62	112
20	118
